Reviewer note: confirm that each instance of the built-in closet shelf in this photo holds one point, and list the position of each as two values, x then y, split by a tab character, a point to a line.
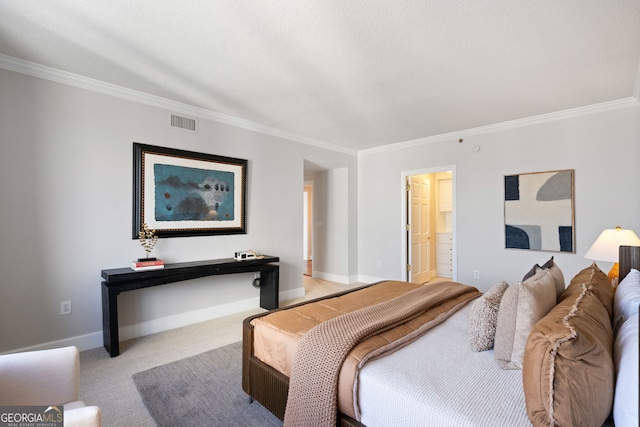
444	255
446	197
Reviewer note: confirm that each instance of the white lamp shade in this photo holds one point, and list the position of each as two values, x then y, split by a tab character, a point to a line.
607	245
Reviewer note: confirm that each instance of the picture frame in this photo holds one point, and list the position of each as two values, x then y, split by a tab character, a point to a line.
180	193
539	211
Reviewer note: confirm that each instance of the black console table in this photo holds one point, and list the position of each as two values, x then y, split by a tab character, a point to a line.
125	279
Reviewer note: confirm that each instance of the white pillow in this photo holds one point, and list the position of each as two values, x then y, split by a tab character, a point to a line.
626	299
625	357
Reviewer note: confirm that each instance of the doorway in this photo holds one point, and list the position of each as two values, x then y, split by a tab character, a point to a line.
307	232
429	224
419	228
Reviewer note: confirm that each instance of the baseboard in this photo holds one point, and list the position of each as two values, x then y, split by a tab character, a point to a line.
83	342
345	280
184	319
94	339
292	294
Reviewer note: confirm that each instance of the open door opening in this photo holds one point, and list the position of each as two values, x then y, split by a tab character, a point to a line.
429	235
307	232
419	228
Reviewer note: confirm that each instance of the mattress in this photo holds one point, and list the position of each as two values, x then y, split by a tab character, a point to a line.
439	381
276	335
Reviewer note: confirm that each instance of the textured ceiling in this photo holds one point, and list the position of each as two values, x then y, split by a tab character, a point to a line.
351	73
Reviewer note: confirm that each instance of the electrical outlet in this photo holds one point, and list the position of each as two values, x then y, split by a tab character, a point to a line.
476	274
378	263
65	307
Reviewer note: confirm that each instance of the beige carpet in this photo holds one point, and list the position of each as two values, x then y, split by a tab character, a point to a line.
107	382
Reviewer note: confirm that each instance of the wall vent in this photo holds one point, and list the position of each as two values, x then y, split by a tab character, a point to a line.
184	123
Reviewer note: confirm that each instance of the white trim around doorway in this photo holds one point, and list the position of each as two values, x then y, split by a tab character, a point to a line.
403	214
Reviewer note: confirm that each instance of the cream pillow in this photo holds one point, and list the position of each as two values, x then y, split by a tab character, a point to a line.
484	316
521	307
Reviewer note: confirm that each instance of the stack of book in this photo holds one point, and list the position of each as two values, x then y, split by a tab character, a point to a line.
141	265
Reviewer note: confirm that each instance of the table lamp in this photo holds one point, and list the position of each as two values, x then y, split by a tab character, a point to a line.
607	247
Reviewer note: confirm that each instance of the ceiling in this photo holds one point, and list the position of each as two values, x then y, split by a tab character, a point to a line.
353	74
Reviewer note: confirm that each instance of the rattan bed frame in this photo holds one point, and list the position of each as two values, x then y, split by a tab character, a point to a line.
270	387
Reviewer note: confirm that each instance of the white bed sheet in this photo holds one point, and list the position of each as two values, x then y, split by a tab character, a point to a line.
439	381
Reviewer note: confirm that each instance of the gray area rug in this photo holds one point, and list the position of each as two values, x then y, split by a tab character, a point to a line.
202	390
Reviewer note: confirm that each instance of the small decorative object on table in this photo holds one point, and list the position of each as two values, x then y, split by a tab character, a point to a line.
148	240
247	255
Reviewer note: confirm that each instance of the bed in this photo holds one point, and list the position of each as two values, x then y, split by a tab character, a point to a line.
409	382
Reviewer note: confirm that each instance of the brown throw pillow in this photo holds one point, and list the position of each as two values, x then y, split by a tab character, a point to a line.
600	283
521	307
568	372
484	316
550	265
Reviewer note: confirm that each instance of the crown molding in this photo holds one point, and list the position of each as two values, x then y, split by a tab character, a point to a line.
511	124
48	73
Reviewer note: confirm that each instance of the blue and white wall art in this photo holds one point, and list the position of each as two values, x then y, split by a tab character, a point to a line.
538	211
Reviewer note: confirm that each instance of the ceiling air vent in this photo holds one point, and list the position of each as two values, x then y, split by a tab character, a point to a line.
184	123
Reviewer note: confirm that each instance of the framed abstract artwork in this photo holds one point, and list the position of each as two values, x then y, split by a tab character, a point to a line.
181	193
539	211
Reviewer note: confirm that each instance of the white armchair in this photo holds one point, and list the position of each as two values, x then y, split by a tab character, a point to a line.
46	377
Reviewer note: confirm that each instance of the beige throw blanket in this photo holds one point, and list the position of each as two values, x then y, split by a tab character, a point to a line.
312	399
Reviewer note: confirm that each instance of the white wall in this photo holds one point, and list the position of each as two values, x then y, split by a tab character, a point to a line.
66	169
602	148
331	220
